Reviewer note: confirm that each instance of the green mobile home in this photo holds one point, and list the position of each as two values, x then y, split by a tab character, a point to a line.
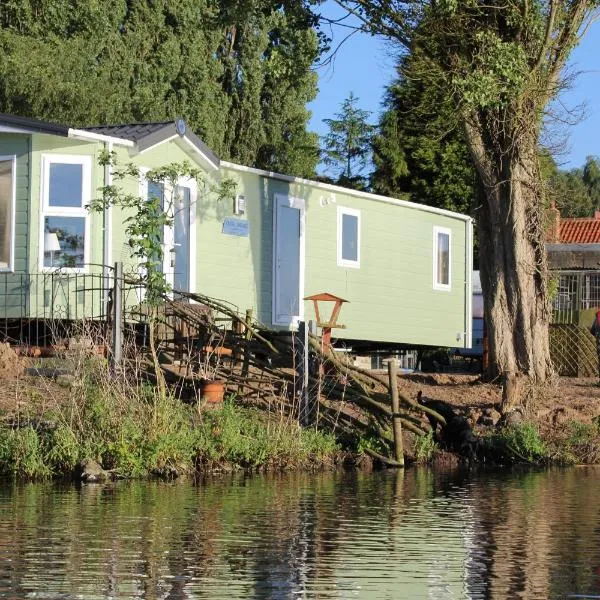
404	268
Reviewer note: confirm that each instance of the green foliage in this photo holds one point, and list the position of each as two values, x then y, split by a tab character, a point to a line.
496	74
147	217
575	193
248	437
581	445
371	440
238	72
519	443
136	432
21	452
347	146
425	447
419	151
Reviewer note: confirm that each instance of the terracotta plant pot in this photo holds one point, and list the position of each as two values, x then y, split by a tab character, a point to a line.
212	391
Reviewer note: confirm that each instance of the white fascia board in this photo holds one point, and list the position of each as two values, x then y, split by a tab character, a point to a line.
202	154
81	134
347	191
9	129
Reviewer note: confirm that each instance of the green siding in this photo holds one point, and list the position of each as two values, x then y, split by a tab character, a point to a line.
13	296
391	296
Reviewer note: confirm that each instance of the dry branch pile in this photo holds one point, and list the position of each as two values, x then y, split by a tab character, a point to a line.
258	366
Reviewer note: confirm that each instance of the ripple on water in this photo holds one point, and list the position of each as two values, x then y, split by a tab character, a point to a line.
418	534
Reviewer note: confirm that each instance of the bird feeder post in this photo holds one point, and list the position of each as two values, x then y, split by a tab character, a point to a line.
331	323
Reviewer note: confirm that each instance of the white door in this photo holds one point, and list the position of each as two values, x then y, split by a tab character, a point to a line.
288	260
179	239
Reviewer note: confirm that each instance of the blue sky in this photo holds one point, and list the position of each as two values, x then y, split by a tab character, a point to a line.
365	65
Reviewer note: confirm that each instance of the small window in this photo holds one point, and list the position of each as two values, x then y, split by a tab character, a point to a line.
7	207
65	185
348	246
65	219
64	242
441	258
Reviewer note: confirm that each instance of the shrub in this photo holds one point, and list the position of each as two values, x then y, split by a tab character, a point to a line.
517	443
581	444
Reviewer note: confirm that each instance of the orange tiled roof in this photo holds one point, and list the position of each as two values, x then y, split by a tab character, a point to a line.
580	231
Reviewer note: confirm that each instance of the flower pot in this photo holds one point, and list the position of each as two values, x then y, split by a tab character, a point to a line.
212	391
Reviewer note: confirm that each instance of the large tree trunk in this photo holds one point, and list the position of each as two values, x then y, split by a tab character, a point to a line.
512	259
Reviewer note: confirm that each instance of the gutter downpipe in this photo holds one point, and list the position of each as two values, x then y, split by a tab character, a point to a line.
106	259
469	284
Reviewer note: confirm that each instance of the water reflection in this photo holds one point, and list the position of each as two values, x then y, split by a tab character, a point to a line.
410	535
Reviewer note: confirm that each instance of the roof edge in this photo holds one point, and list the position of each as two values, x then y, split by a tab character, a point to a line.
350	192
34	125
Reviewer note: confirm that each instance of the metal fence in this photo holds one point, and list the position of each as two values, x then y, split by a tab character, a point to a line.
37	308
575	291
34	305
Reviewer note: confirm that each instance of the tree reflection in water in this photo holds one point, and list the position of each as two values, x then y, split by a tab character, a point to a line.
413	534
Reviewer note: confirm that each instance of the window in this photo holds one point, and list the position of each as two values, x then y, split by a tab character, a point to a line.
66	188
348	237
7	211
441	258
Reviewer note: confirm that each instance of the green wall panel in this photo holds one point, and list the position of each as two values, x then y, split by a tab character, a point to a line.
391	296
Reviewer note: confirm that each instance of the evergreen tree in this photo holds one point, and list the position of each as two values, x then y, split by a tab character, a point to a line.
591	179
419	151
347	146
239	72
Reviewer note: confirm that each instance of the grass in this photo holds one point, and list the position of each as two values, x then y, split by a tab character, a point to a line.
519	443
579	445
132	430
425	448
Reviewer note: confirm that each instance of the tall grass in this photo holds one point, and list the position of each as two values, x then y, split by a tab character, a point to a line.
133	430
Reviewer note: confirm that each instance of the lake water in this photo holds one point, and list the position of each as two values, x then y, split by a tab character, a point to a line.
418	534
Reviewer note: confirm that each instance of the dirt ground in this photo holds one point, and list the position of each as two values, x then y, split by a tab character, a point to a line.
567	399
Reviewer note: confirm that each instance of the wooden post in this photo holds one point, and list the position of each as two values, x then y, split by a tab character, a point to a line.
398	445
301	392
117	318
248	336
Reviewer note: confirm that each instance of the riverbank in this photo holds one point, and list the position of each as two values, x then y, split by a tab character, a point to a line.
561	427
126	428
52	426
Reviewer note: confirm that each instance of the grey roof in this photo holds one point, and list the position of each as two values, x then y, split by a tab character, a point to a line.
130	131
34	125
143	135
146	135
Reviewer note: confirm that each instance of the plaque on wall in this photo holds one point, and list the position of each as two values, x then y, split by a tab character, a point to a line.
238	227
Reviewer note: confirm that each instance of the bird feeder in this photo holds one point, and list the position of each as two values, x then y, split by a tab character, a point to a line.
319	302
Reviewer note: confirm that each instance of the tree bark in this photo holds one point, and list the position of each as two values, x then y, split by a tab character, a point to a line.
512	253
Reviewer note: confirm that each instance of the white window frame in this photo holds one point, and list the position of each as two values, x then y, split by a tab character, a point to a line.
13	209
353	212
66	211
444	287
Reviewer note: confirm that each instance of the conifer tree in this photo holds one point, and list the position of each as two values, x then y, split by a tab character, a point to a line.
239	72
347	145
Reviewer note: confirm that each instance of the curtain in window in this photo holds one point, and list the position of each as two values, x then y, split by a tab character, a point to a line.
6	186
443	259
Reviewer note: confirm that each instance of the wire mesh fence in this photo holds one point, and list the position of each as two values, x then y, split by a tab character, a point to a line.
573	350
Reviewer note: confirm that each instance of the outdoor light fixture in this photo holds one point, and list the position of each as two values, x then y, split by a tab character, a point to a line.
51	245
239	207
